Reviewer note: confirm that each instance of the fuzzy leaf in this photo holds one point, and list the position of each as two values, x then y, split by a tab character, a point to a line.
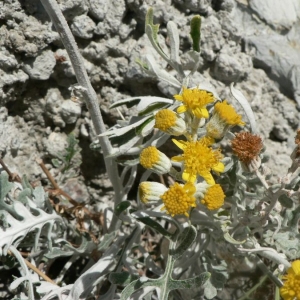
19	219
5	186
209	290
128	162
186	238
160	73
129	102
106	240
174	41
231	240
195	32
155	225
121	207
238	95
25	183
149	105
57	252
19	229
189	283
152	32
136	122
123	278
149	22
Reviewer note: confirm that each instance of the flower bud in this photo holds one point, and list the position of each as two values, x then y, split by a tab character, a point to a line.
223	118
153	159
167	120
212	196
151	191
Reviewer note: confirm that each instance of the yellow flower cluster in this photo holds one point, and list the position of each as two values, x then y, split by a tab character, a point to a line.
291	287
179	199
200	157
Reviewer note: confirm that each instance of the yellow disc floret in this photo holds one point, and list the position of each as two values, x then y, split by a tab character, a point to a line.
291	285
214	197
179	199
149	157
228	114
195	101
223	118
153	159
199	159
167	120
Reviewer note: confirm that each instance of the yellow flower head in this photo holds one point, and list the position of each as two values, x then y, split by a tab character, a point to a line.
213	197
151	191
199	159
179	199
151	158
223	118
291	286
166	120
195	101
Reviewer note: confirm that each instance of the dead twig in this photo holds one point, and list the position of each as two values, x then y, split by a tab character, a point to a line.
35	269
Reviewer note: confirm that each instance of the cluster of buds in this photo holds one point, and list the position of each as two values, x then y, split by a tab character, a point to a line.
200	156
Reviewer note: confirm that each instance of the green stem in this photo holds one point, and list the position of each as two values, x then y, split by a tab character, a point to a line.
253	289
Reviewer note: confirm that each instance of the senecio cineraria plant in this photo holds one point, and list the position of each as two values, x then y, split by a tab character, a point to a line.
214	211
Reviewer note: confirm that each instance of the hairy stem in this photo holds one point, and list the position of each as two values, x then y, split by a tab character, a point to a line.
88	92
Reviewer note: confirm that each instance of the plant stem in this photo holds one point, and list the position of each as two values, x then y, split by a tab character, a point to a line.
253	289
89	94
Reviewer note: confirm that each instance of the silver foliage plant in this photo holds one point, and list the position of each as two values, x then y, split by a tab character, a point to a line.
257	228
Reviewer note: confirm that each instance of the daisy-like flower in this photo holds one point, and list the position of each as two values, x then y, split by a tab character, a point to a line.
166	120
212	196
179	199
247	146
195	101
199	159
291	286
153	159
223	118
150	192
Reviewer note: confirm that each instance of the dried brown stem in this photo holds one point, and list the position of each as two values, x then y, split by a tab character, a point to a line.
54	183
35	269
12	176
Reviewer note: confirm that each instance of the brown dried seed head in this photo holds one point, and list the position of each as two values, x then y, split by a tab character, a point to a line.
246	146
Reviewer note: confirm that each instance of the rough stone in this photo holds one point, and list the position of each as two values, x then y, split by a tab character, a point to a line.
18	148
8	83
98	9
40	67
163	10
231	66
7	60
53	103
211	38
196	6
112	19
83	27
142	48
278	14
73	8
55	144
70	111
279	59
